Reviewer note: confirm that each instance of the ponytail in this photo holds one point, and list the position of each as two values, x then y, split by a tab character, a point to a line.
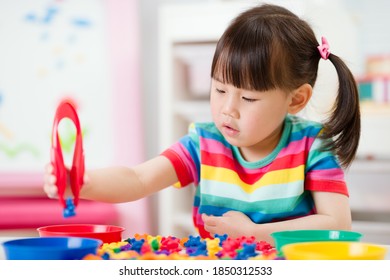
343	124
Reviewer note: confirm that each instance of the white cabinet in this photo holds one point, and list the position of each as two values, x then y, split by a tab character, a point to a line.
369	176
369	193
375	136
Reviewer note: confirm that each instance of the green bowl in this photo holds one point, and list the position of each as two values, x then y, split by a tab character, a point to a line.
282	238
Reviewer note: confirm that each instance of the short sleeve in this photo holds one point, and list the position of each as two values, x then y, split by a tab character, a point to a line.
184	156
323	171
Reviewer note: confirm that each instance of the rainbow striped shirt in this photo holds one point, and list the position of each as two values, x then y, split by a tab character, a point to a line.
277	187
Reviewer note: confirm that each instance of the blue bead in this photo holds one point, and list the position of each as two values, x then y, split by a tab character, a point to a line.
69	210
106	256
221	238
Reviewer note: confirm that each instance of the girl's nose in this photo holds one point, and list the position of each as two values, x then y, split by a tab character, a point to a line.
230	107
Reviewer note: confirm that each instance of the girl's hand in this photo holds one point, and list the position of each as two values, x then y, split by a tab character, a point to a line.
233	223
50	180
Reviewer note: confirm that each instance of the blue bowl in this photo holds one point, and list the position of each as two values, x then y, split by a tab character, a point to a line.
50	248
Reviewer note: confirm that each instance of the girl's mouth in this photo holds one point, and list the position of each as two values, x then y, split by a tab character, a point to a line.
230	131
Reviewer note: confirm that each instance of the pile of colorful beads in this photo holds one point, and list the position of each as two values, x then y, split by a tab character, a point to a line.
147	247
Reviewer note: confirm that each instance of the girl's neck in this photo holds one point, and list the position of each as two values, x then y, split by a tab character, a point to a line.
262	149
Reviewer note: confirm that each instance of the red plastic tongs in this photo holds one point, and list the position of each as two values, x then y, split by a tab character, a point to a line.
76	173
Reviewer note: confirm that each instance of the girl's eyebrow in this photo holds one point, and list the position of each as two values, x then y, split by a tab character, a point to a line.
218	80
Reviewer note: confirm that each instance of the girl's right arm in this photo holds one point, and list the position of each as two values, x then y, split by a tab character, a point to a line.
121	184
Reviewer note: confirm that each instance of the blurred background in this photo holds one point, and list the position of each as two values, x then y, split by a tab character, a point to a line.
138	73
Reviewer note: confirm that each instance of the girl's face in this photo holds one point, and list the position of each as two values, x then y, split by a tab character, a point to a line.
250	120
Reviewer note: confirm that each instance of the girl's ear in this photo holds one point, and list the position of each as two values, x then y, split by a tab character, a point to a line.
299	98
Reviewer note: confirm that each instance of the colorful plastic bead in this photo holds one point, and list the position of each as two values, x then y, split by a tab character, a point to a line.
69	210
147	247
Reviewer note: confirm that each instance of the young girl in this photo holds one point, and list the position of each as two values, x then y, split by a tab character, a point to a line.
257	168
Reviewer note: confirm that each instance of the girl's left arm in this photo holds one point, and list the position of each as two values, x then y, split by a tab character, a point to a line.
333	212
334	209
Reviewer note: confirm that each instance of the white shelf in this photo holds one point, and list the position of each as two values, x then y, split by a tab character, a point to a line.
379	165
373	232
193	110
375	109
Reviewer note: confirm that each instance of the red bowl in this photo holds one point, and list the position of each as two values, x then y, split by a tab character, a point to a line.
106	233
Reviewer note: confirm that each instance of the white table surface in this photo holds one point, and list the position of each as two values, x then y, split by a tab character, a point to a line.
4	239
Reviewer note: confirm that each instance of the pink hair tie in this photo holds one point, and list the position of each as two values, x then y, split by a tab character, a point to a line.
324	48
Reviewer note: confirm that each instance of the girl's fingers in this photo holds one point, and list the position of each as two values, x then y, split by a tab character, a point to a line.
49	168
51	191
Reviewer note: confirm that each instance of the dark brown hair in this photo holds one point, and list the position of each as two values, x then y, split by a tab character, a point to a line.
269	47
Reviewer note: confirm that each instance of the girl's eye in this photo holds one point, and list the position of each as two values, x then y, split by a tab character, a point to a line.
219	90
249	99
